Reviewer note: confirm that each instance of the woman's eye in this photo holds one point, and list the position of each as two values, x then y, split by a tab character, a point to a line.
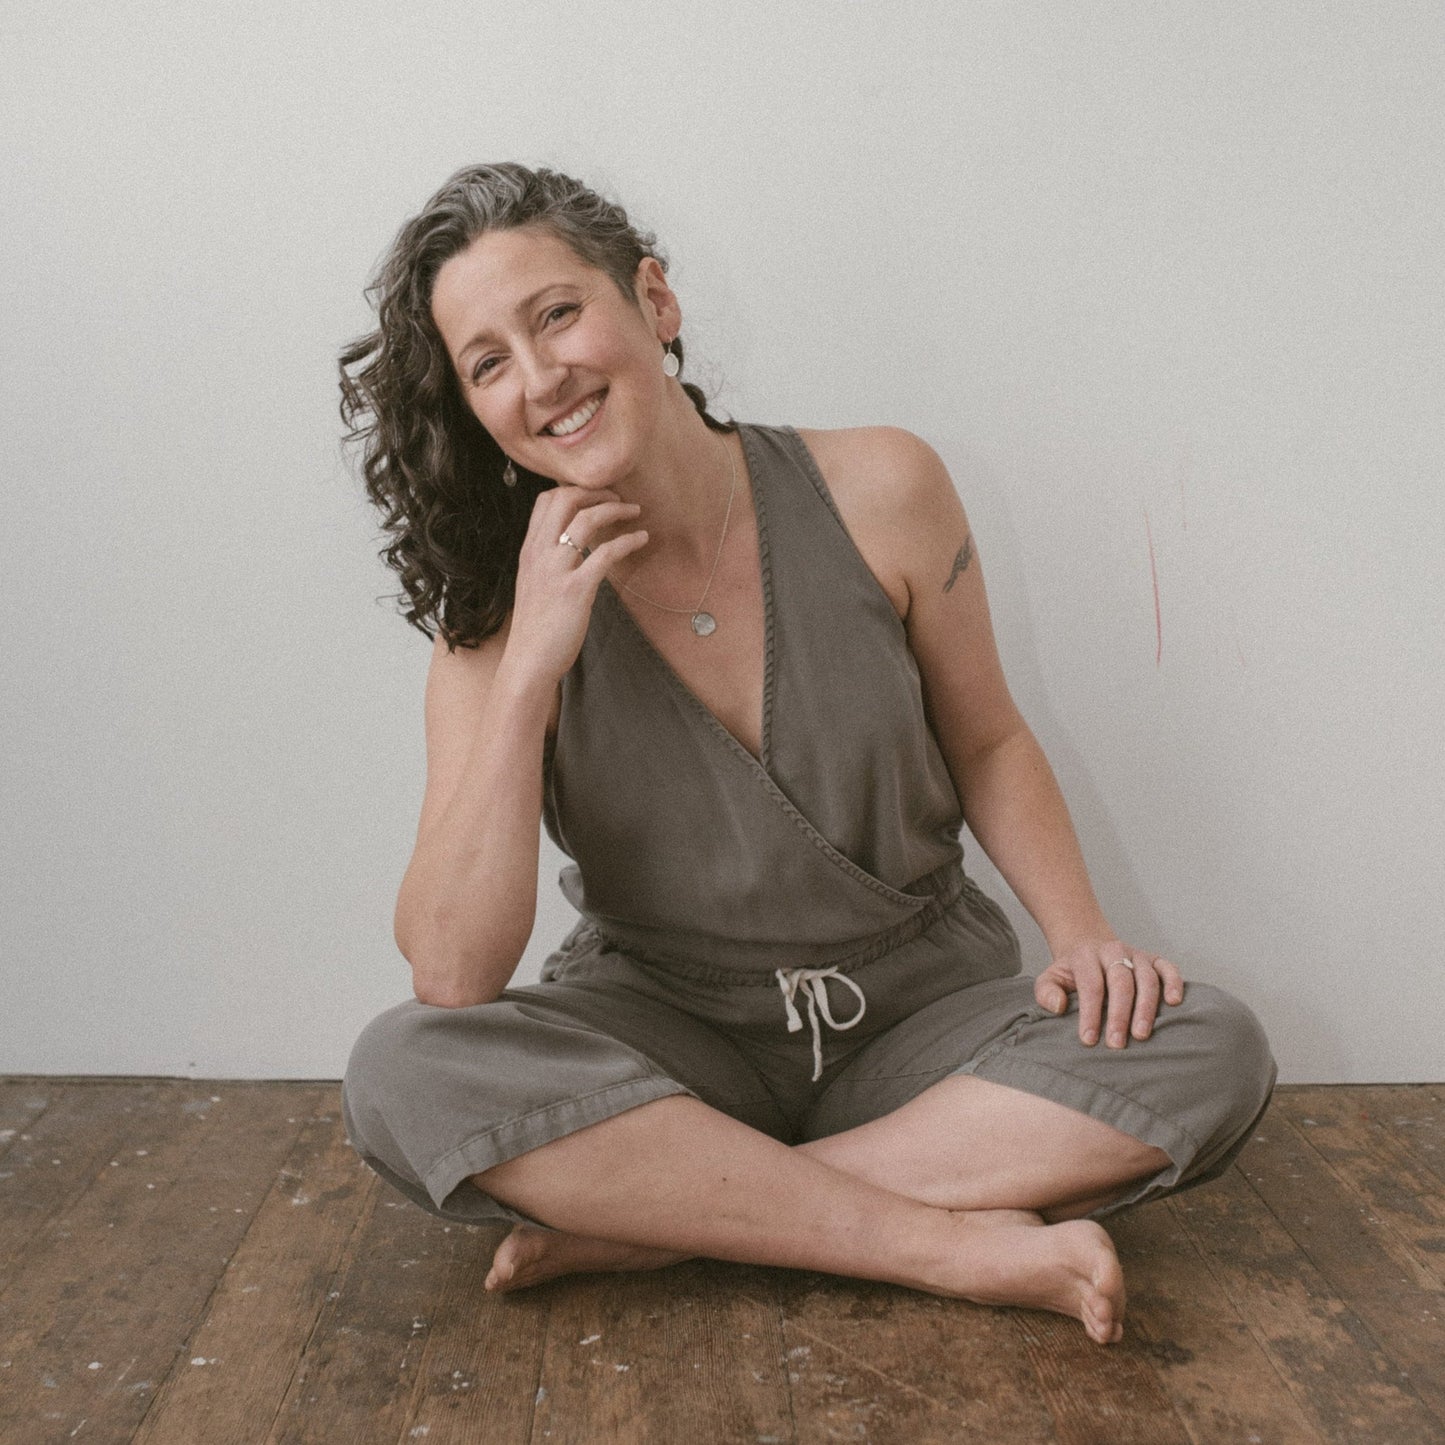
482	367
561	310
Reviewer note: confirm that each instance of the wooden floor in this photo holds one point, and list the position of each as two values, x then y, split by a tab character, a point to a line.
191	1263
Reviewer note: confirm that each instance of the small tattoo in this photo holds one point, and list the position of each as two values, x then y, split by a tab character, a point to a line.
960	563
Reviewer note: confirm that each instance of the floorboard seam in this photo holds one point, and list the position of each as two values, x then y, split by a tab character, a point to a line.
1408	1386
1306	1415
783	1361
204	1312
344	1260
1351	1192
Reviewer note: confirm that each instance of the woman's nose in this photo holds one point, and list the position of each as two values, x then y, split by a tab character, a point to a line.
542	375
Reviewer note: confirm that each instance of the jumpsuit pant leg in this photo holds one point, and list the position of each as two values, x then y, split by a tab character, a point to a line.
1197	1087
434	1095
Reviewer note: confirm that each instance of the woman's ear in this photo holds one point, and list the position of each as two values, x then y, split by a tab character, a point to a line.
656	299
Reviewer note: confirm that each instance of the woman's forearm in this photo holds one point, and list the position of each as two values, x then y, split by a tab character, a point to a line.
1013	806
468	902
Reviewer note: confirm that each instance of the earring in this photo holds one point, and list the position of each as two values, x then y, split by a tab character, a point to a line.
670	364
509	473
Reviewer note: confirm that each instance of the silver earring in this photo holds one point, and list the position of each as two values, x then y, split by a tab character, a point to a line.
509	473
670	364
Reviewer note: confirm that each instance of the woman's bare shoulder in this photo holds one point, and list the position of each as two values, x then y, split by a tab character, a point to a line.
874	451
873	473
459	679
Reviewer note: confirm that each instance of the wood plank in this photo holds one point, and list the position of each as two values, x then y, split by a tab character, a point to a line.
103	1306
356	1376
690	1352
1363	1263
478	1375
874	1361
22	1101
1218	1377
1345	1384
1097	1392
53	1161
1405	1198
270	1296
1415	1115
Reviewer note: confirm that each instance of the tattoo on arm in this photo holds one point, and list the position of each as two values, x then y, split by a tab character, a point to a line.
960	563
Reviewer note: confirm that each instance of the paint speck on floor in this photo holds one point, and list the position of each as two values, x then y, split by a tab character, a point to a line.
590	1340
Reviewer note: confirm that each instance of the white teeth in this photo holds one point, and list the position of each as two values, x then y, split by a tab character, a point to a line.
579	418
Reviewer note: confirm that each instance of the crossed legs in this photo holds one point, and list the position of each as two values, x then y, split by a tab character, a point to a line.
972	1189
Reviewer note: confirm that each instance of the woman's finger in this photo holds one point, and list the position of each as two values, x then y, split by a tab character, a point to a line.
1050	992
1119	977
1173	981
1089	981
613	549
1146	996
592	522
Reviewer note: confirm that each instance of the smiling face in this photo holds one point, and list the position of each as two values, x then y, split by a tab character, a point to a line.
555	362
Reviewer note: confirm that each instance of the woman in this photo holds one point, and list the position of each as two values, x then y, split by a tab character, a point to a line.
745	675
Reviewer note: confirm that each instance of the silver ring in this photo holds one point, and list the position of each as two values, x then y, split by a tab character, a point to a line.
1127	962
585	551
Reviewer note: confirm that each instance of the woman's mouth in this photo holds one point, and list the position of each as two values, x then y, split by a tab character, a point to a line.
577	421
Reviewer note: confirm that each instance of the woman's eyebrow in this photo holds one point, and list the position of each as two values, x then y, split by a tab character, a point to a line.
525	304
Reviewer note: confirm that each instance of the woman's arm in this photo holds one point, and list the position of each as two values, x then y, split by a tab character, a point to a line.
1011	799
468	902
469	899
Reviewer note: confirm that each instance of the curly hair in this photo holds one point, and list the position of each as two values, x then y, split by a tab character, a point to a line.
455	528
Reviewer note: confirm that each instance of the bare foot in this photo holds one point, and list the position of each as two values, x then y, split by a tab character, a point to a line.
529	1255
1070	1268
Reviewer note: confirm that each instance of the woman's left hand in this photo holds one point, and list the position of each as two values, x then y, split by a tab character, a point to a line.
1130	981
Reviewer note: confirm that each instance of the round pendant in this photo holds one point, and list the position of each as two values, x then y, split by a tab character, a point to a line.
704	623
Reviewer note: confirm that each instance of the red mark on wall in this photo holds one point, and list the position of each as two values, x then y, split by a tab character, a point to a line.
1154	573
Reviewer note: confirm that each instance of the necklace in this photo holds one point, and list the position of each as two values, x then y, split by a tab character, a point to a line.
703	623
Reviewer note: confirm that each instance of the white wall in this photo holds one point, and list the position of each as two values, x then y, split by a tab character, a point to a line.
1144	274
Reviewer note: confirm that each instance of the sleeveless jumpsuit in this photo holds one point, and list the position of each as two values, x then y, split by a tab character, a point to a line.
791	939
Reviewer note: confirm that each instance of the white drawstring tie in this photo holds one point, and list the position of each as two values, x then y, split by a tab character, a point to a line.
815	991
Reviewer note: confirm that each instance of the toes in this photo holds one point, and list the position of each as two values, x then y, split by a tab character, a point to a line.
1101	1325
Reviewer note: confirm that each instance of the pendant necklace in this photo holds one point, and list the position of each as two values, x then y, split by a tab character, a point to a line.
703	623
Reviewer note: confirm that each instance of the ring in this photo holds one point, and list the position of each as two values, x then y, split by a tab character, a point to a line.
1127	962
585	551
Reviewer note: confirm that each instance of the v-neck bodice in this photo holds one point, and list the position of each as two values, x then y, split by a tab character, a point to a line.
686	848
608	597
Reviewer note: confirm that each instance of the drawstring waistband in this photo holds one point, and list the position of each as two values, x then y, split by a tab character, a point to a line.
815	991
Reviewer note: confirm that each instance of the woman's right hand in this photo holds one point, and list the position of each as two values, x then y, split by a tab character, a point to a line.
556	585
